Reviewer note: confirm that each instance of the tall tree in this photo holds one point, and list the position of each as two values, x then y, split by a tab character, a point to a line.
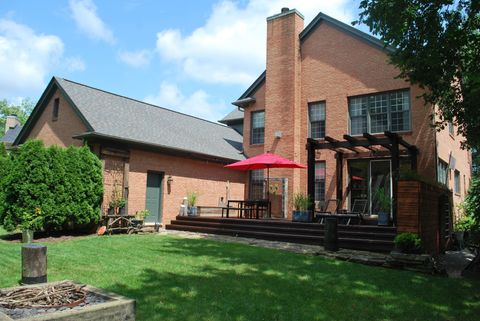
436	44
23	110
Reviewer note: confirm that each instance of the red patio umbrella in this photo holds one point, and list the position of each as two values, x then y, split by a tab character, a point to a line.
262	161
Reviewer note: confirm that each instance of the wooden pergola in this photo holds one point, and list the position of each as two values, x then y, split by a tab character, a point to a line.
366	146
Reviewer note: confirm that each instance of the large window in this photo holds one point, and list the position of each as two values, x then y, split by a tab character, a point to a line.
316	116
320	182
256	184
257	132
456	182
380	112
442	172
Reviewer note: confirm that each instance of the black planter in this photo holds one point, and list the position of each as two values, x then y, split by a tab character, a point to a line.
301	216
122	211
111	211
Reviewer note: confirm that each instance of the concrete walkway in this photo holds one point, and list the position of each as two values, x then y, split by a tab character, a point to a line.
452	261
363	257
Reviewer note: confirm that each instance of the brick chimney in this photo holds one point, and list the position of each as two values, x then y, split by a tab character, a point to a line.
11	122
283	90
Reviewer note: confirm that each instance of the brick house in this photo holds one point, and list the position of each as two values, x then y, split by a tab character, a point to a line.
329	81
151	155
326	81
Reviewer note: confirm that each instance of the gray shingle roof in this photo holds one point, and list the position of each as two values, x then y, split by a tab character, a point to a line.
11	134
132	120
234	115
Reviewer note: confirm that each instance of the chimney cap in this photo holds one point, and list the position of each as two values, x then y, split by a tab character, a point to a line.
284	9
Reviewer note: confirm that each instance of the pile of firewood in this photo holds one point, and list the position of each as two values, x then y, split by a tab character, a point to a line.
63	294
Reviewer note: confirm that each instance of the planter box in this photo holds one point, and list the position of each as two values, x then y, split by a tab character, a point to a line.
114	308
424	263
301	216
383	218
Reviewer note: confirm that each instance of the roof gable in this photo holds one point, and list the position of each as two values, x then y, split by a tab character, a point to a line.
311	27
117	117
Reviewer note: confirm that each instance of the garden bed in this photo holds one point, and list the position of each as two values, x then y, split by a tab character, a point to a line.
63	300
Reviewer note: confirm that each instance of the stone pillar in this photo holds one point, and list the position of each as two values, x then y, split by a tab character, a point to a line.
34	263
331	234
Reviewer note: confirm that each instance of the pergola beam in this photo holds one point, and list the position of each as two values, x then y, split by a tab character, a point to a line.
333	140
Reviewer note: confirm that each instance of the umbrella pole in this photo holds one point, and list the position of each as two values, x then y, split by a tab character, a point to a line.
268	191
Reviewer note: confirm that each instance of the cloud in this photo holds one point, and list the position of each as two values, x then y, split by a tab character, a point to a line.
230	47
138	58
74	64
27	58
198	104
84	12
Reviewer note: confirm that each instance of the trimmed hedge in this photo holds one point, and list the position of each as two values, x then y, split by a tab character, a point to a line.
50	188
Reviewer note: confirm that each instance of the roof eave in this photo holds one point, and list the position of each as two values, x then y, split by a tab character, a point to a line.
244	102
150	146
345	27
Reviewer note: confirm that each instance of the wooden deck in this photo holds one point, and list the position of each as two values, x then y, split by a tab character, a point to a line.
358	237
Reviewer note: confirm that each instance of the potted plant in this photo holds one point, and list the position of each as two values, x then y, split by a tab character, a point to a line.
300	205
30	223
384	203
408	243
121	206
192	198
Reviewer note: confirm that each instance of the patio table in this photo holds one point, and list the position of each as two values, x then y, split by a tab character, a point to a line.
247	208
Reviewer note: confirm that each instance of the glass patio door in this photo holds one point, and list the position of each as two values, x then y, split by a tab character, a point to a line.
380	177
366	177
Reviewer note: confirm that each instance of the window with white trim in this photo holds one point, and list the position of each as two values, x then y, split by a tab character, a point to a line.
257	131
316	116
442	172
380	112
257	182
456	182
319	181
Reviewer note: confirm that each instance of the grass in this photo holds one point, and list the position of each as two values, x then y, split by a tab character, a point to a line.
184	279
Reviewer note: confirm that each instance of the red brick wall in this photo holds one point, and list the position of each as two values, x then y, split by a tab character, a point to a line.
208	179
333	66
58	132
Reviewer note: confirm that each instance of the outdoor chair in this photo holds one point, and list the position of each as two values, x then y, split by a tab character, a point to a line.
358	210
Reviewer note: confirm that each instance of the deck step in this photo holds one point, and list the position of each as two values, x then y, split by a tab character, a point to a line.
288	230
371	238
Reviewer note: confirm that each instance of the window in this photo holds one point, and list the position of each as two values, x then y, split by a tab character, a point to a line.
56	105
456	182
450	128
256	184
316	115
257	131
380	112
320	181
442	172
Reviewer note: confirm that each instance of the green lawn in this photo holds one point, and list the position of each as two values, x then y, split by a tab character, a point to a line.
184	279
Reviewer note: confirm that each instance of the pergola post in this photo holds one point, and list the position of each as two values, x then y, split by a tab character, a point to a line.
311	174
395	152
339	176
413	159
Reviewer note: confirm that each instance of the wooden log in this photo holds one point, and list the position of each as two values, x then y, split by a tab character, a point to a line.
34	264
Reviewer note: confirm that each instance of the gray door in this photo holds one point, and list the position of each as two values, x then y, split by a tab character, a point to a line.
154	197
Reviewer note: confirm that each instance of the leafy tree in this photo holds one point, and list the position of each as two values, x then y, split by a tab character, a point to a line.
50	188
22	111
436	44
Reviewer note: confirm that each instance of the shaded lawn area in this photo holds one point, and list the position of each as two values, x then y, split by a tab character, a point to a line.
184	279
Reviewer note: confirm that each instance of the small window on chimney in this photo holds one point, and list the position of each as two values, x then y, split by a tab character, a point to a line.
56	105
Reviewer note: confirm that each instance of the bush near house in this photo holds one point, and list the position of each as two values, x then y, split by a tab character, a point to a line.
49	188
